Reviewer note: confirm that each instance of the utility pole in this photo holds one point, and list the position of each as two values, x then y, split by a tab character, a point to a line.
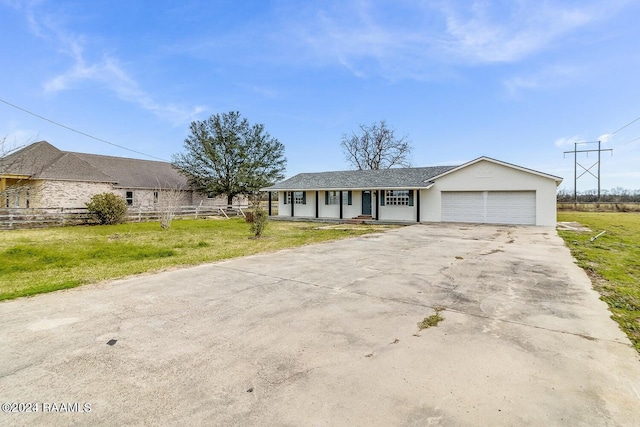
585	169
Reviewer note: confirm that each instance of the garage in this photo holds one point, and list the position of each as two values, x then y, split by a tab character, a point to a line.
491	207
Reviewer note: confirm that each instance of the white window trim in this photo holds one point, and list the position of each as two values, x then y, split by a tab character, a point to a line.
333	198
397	197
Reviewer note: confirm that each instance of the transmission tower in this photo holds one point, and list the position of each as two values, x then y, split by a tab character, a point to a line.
585	169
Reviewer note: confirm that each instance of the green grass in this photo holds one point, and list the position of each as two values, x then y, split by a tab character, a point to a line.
612	261
432	320
46	260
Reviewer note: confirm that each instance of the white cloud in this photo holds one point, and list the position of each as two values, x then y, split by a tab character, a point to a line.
106	70
506	31
548	77
568	141
605	137
420	38
109	72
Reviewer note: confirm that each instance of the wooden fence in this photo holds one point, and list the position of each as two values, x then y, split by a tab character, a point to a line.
20	218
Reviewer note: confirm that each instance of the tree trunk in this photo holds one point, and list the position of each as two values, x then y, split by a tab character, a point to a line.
229	199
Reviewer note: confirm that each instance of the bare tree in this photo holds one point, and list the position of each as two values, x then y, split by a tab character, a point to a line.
169	198
376	147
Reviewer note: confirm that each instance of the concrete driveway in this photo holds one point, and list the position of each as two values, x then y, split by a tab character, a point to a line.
327	335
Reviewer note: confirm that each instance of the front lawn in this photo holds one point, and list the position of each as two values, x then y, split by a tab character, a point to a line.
612	261
45	260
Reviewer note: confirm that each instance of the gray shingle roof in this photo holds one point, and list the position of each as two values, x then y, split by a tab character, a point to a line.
42	160
136	173
362	179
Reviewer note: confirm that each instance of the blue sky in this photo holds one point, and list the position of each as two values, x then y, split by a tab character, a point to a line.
517	80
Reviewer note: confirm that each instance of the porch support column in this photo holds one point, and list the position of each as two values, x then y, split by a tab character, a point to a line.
3	184
418	205
378	195
269	203
317	204
340	204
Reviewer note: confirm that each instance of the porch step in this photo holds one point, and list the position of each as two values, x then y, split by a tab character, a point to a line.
360	219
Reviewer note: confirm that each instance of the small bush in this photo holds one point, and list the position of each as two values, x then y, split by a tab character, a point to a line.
108	208
260	220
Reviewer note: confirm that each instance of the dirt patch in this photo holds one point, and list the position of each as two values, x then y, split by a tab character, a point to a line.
573	226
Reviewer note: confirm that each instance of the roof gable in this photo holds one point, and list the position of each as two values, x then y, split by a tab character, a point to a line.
30	160
499	162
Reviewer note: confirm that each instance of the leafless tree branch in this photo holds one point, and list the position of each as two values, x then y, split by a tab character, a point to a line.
376	147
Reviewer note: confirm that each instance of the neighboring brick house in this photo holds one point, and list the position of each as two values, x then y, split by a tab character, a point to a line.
42	176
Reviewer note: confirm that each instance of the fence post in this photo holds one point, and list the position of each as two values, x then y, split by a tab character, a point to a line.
10	220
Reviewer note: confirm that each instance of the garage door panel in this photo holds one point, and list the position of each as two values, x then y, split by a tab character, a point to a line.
492	207
463	206
511	207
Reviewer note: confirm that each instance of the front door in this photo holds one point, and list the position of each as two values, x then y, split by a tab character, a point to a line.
366	203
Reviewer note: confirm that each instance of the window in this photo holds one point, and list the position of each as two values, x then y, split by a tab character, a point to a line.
331	197
346	198
155	197
300	197
27	197
129	198
397	198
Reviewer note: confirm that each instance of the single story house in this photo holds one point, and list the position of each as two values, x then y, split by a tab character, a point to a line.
42	176
484	190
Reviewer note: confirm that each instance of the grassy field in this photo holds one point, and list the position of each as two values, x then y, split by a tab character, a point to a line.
45	260
612	261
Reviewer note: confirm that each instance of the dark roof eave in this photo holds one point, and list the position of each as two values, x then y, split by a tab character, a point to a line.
425	186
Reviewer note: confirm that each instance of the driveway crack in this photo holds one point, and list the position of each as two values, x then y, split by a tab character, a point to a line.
430	306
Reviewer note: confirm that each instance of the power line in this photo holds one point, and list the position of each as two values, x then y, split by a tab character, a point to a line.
627	125
629	142
80	132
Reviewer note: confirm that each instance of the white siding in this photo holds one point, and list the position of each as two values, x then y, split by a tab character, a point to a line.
397	213
308	210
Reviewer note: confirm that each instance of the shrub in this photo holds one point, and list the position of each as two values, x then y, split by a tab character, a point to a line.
260	219
108	208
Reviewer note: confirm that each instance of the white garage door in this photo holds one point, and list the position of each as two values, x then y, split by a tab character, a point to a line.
492	207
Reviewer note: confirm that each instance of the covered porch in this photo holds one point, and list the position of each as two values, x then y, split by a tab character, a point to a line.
348	205
14	191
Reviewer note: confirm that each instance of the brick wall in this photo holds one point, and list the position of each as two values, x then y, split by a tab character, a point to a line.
66	194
